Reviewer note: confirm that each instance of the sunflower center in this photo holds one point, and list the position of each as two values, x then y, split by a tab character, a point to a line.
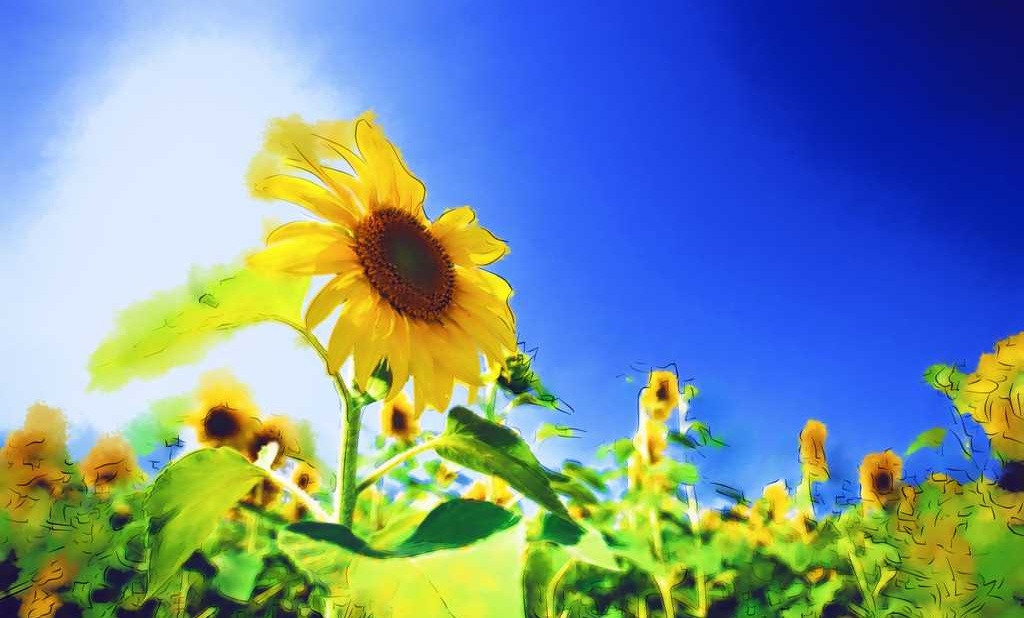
662	392
221	422
398	421
883	482
406	264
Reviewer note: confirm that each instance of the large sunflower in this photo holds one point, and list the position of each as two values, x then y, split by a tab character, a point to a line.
411	290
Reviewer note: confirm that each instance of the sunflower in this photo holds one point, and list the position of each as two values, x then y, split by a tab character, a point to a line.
776	497
306	478
812	451
41	599
399	420
493	489
651	441
880	479
279	429
226	414
412	291
661	395
110	463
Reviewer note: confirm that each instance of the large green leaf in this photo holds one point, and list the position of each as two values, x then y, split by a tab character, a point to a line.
582	542
476	443
178	326
932	438
465	559
187	501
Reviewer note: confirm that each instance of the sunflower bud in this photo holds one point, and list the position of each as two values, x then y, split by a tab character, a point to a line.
881	476
776	496
661	395
812	451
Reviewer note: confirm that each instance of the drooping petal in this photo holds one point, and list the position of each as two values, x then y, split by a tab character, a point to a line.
396	186
338	290
341	209
302	256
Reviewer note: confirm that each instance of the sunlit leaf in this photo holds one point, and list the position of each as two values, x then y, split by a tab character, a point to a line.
236	574
478	444
187	501
546	431
159	426
176	327
932	438
582	542
465	559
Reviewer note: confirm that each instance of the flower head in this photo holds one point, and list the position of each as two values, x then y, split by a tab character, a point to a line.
399	420
881	475
812	451
226	414
661	395
278	429
306	477
412	291
109	464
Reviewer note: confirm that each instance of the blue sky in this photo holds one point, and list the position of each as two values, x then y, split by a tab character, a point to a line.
801	209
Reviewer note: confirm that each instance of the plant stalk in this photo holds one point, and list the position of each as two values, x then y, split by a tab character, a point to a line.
396	461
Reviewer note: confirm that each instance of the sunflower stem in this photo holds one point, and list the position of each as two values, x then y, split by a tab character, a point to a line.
348	456
552	591
396	461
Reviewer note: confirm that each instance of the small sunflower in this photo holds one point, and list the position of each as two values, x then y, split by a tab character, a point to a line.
399	420
42	599
306	477
881	475
279	429
776	495
493	489
412	291
42	438
109	464
661	395
812	451
226	414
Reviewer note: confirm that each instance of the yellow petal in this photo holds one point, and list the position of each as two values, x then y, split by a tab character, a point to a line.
395	184
338	290
305	256
309	195
308	230
398	356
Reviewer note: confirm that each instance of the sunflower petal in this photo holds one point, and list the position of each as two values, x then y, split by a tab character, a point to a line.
304	256
396	185
309	195
338	290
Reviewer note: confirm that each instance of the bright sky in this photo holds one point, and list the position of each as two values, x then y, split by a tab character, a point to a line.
803	211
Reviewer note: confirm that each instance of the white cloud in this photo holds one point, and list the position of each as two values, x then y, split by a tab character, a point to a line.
148	181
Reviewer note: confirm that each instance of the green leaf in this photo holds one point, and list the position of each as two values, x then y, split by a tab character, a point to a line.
583	543
478	444
465	559
928	439
187	501
158	426
176	327
621	449
236	574
546	431
576	470
678	472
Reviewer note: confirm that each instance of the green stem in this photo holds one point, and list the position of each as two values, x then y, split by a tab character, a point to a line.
395	461
351	422
862	583
552	591
348	458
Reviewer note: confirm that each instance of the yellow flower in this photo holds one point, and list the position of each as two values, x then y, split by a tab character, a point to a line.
881	475
412	291
399	420
994	396
277	429
41	599
226	414
651	441
492	489
812	451
661	395
776	495
306	477
110	463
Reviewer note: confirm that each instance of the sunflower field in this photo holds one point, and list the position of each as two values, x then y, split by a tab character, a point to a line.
464	522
